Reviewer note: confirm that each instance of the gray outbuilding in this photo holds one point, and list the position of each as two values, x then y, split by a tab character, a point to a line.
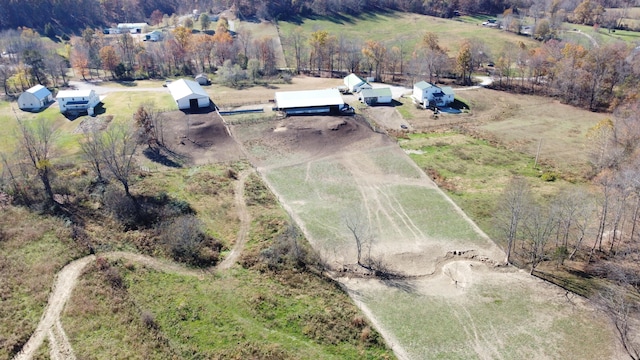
377	96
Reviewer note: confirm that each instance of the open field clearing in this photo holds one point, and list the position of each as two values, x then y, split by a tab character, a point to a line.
518	122
455	303
407	30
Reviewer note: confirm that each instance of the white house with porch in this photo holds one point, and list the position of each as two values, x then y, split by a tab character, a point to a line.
430	95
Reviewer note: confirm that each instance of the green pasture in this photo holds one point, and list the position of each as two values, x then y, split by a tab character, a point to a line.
241	314
504	317
404	29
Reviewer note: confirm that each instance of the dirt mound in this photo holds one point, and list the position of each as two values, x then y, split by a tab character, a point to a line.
202	138
318	136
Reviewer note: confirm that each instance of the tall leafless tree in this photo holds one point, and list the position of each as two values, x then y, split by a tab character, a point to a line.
119	149
37	140
93	149
512	209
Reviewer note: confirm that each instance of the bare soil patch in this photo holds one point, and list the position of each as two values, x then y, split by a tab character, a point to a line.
312	138
202	138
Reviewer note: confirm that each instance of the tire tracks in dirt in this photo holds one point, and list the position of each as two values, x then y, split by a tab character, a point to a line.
50	326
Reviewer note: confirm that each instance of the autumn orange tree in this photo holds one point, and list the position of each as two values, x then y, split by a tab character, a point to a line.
376	53
109	58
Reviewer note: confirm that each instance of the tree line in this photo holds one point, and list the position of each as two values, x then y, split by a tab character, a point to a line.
71	16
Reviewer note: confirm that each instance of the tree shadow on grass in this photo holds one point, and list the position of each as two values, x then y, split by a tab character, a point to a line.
401	284
163	156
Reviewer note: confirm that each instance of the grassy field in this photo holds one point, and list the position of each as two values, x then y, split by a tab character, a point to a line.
396	28
247	312
32	249
499	317
518	123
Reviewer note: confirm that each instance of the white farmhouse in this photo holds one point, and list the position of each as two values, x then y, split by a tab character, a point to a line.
77	101
427	94
35	98
189	95
355	83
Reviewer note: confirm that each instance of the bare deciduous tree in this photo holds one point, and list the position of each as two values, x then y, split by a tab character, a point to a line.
92	147
119	148
36	140
539	227
623	311
358	227
512	210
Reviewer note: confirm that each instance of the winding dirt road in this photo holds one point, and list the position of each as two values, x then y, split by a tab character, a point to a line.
50	326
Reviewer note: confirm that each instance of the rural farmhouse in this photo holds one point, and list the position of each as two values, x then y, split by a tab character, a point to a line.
77	101
310	102
189	95
354	83
429	95
35	98
375	96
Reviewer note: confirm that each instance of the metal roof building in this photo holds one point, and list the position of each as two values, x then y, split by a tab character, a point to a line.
188	94
376	96
35	98
309	101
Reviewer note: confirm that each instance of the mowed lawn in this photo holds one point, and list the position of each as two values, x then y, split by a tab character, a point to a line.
396	28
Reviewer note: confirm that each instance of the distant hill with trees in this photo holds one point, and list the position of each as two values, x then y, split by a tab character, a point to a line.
64	16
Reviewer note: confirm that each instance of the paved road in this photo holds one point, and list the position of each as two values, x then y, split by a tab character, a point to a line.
103	90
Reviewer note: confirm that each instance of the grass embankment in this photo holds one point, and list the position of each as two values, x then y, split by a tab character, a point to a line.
267	308
33	249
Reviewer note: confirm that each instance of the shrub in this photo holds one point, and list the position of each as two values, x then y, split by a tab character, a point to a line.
287	251
187	242
121	207
548	176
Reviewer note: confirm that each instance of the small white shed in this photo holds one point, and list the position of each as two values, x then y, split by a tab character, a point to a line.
355	83
375	96
35	98
202	79
77	101
189	95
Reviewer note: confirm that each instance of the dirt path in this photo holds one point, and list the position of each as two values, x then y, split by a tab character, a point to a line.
66	280
245	222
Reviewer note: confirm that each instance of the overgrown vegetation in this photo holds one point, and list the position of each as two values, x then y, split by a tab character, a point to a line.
276	306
